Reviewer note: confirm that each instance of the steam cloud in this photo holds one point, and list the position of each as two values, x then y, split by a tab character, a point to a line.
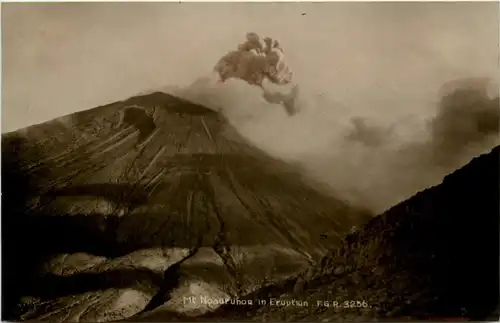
366	163
466	116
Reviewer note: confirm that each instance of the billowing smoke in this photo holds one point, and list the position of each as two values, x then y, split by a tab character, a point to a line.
260	61
254	60
466	117
364	161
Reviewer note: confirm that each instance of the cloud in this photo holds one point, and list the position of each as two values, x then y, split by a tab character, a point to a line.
254	60
467	116
362	160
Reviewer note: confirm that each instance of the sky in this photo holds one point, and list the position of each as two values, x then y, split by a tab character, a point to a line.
59	58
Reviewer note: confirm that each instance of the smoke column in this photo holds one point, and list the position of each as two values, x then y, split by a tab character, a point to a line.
370	164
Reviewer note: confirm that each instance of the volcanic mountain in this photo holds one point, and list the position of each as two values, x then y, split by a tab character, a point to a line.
134	206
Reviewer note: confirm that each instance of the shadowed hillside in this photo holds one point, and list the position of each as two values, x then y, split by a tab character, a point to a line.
432	257
130	207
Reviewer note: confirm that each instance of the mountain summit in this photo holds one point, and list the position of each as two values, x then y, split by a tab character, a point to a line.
143	203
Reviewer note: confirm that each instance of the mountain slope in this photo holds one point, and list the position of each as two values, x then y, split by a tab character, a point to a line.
434	256
135	205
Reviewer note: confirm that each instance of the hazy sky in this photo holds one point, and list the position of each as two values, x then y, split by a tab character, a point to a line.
61	58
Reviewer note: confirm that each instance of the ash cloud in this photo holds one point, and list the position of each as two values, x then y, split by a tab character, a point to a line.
255	59
367	133
363	160
377	169
467	116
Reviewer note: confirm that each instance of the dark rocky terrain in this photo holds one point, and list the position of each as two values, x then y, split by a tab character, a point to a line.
125	209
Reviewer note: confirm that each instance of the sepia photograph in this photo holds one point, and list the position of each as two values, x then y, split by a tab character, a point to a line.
250	161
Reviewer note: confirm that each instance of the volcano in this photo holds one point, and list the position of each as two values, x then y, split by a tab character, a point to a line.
141	204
